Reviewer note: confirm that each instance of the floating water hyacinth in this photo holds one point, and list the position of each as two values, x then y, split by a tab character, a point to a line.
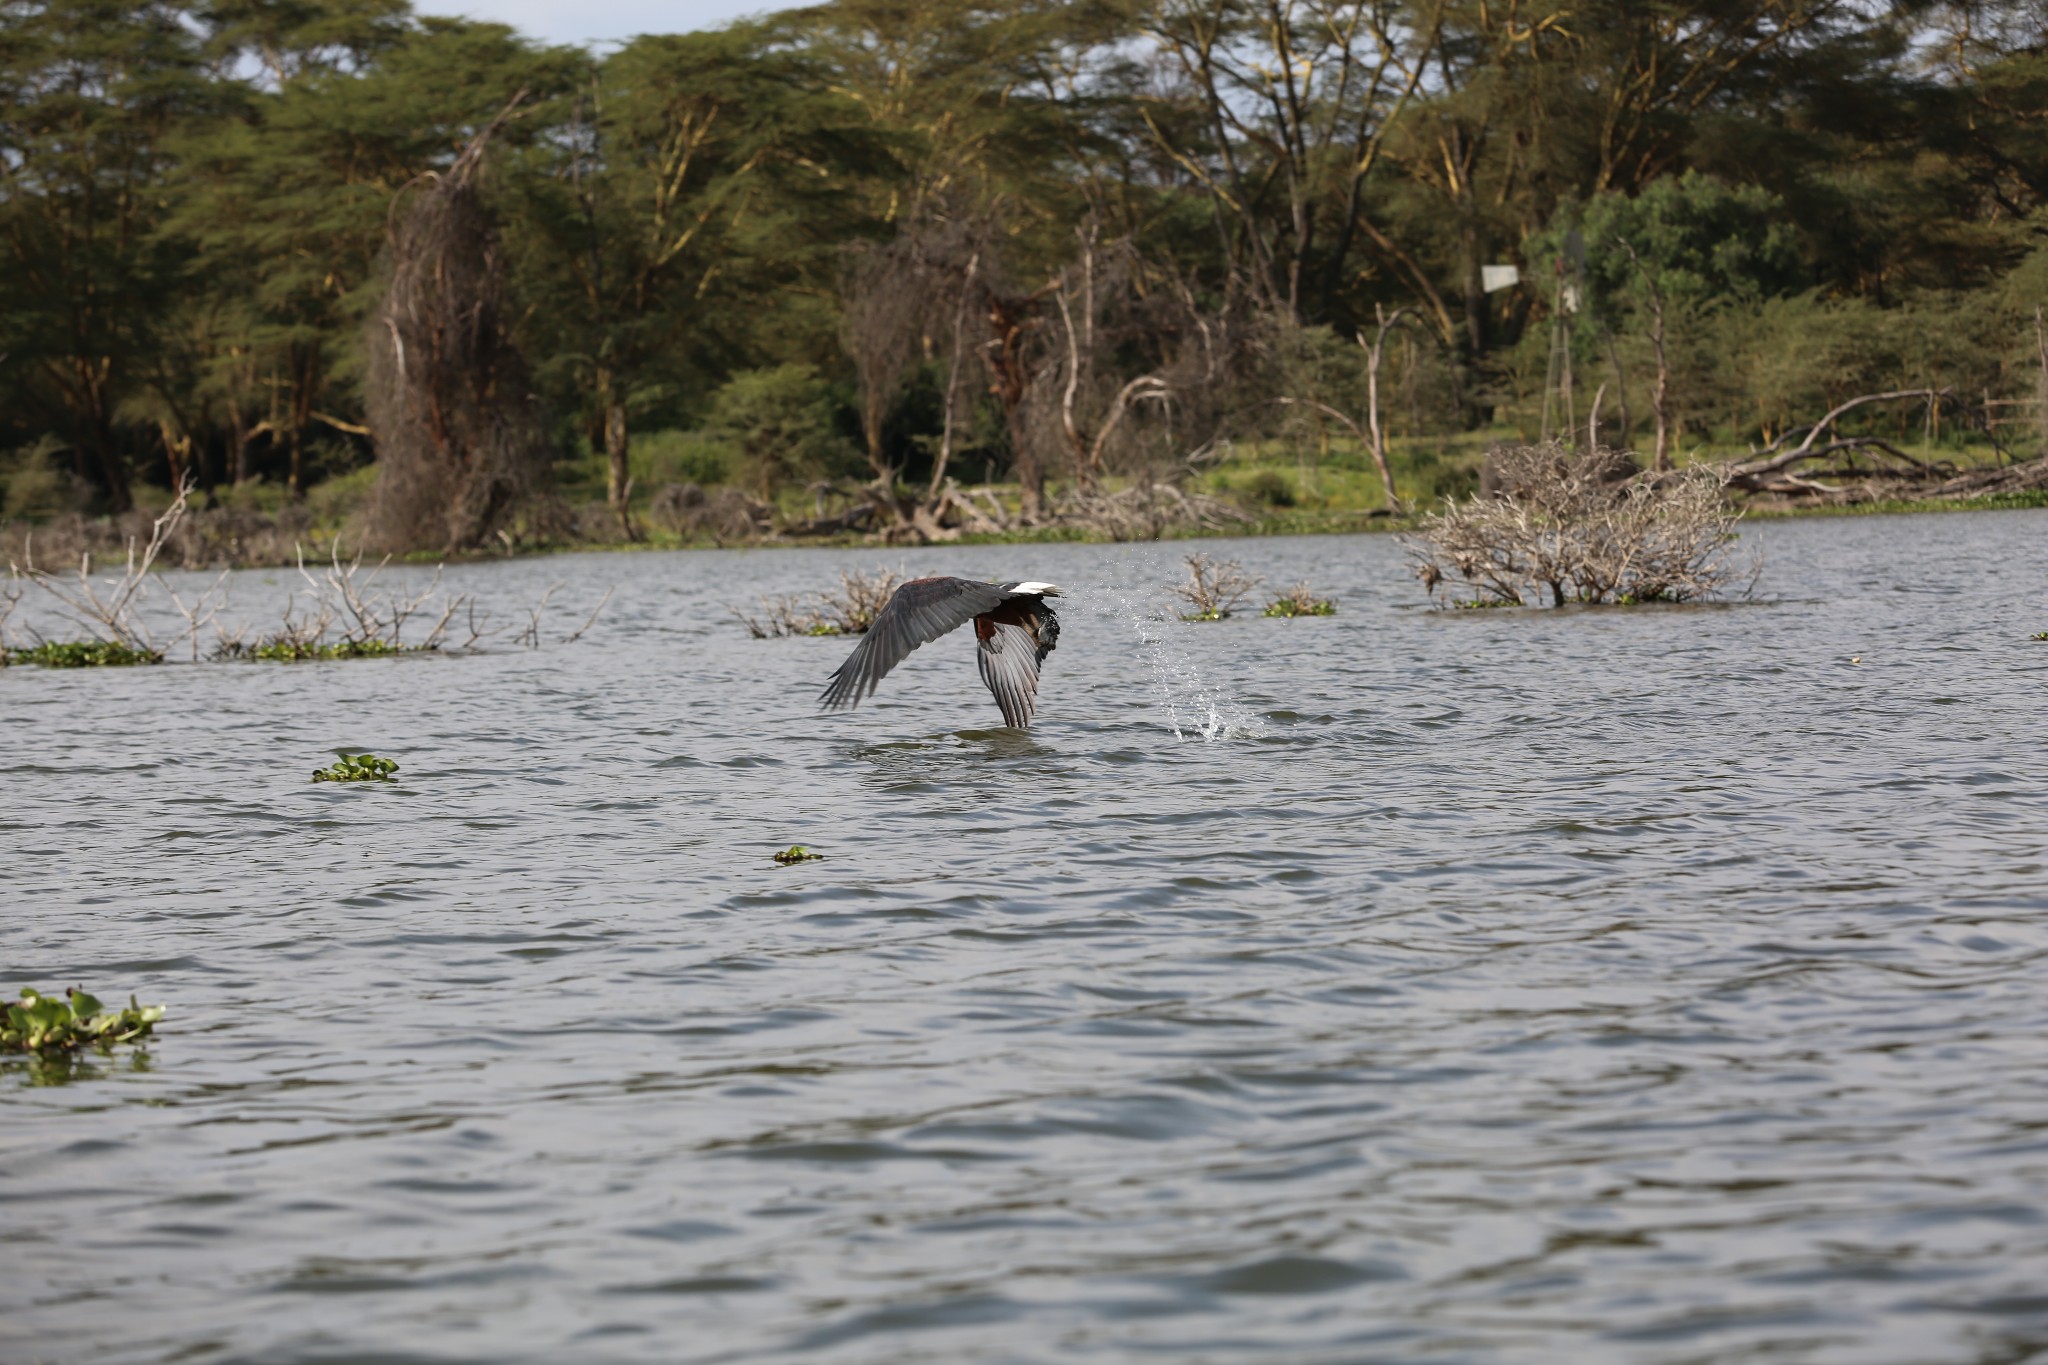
1299	601
285	650
50	1023
84	654
797	853
358	768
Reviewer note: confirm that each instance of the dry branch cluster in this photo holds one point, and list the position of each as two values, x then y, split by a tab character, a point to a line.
1146	511
849	611
727	515
342	610
1561	526
343	607
111	608
1215	587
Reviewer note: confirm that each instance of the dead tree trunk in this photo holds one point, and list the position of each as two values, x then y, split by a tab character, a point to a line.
1660	397
1770	469
948	416
1009	379
459	435
1376	439
611	402
2041	386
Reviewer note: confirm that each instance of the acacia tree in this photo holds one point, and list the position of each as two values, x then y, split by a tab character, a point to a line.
1293	102
93	90
682	162
286	206
996	117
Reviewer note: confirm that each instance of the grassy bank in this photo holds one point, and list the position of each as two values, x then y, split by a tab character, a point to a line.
1271	488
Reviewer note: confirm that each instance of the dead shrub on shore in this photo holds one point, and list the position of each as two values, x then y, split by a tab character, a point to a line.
726	515
1565	527
1146	511
848	611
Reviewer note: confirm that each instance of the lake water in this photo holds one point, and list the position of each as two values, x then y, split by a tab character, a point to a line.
1646	985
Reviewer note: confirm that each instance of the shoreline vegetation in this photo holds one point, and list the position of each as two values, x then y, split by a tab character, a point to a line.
1250	497
380	285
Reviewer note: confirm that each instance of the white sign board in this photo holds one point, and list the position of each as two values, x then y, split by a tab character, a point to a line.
1498	277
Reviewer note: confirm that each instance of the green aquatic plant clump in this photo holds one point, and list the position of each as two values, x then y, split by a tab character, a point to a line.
1299	601
289	651
50	1023
358	768
797	853
84	654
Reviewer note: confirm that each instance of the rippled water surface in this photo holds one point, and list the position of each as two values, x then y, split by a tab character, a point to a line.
1655	985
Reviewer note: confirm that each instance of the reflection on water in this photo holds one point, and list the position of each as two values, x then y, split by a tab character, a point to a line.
1584	985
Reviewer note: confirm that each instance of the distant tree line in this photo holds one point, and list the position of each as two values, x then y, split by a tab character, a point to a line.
896	244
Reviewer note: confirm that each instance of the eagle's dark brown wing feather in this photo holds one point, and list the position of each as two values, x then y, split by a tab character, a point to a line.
1015	638
921	611
1008	660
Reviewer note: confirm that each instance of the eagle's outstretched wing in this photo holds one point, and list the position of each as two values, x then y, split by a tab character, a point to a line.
921	611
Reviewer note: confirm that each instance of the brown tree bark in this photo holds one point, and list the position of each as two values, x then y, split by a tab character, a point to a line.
1008	379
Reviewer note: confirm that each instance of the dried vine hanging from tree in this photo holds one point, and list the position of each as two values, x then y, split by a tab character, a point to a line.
459	434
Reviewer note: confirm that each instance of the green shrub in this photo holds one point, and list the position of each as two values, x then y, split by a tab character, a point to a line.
288	650
1271	487
254	495
336	500
665	457
780	422
35	488
1299	601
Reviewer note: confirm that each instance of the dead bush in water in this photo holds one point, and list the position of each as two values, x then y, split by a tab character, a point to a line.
346	613
1214	587
1563	526
849	611
112	608
1298	600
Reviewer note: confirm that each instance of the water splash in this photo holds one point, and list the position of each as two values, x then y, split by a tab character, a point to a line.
1132	594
